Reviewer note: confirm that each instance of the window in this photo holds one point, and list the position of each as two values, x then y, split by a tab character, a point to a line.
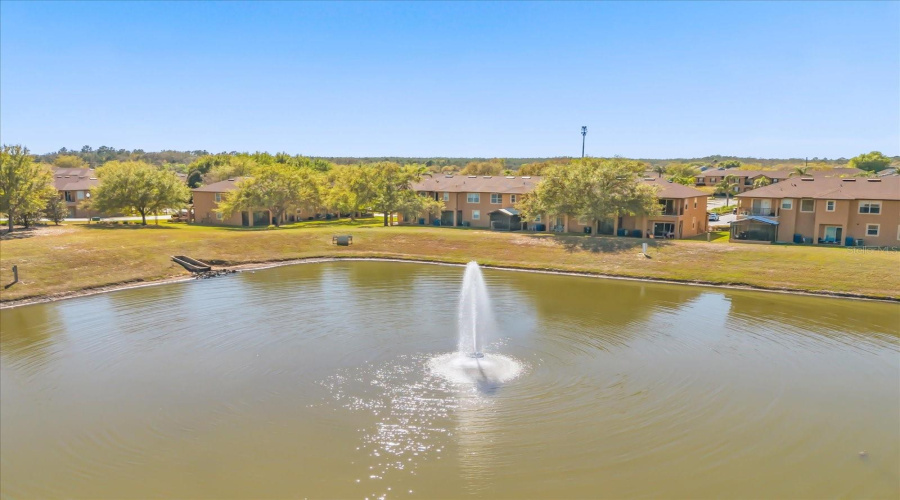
496	198
218	215
829	206
807	205
446	196
473	198
537	218
512	198
695	202
80	194
476	214
872	229
787	204
218	197
69	196
870	207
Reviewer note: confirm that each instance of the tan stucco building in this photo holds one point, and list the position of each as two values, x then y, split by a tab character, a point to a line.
470	200
74	186
206	203
490	202
825	210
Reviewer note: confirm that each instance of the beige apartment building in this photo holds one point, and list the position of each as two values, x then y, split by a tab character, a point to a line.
478	200
206	202
682	215
490	202
822	210
74	186
746	178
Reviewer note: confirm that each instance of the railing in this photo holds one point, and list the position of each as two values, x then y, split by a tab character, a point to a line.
670	212
765	212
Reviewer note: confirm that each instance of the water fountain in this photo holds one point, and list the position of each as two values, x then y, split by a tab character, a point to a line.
474	313
475	325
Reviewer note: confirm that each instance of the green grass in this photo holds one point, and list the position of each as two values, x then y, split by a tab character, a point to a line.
74	257
723	210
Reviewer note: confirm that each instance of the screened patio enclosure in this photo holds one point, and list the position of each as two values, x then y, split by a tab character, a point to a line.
754	228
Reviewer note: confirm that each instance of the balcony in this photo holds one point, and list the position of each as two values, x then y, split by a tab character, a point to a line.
762	212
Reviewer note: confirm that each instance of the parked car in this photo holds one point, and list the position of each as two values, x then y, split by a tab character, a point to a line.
714	217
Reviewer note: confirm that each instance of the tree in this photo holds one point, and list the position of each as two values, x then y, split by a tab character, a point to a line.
593	189
728	185
135	187
24	184
69	161
730	164
660	170
56	209
169	191
761	182
682	173
276	187
801	171
392	189
870	162
351	188
492	167
536	168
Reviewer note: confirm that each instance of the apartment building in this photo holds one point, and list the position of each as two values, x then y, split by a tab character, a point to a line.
822	210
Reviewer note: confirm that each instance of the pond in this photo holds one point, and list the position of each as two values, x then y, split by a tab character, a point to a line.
318	380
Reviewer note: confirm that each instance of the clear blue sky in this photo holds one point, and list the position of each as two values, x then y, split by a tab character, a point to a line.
651	80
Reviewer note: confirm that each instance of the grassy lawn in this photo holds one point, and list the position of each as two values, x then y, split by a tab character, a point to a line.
72	257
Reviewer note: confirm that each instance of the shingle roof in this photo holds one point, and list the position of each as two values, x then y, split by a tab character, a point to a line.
477	184
832	188
74	179
219	187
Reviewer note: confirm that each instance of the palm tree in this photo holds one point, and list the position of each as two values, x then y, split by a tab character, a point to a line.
728	185
799	171
760	182
660	169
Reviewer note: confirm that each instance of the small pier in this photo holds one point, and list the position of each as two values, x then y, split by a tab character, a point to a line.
192	265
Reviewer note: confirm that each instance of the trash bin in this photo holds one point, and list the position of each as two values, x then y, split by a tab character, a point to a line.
422	222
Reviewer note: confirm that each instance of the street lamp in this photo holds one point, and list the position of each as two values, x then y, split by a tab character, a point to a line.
583	134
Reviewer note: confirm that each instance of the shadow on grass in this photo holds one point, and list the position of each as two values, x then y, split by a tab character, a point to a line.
124	227
18	233
601	244
336	224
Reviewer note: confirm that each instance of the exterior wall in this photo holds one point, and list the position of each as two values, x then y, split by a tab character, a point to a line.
456	202
205	210
693	218
75	211
811	225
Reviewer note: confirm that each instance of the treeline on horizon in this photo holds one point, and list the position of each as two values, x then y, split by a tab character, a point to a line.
201	167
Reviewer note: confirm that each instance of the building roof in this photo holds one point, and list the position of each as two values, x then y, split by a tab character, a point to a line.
477	184
219	187
832	188
757	218
74	179
507	211
668	189
778	174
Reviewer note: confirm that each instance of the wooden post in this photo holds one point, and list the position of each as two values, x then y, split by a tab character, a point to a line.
15	274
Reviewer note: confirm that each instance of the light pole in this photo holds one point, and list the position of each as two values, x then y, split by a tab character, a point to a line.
583	134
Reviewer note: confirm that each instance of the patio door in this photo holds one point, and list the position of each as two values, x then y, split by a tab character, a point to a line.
833	234
761	207
661	229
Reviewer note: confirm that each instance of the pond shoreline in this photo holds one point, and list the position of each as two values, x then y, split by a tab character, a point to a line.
314	260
